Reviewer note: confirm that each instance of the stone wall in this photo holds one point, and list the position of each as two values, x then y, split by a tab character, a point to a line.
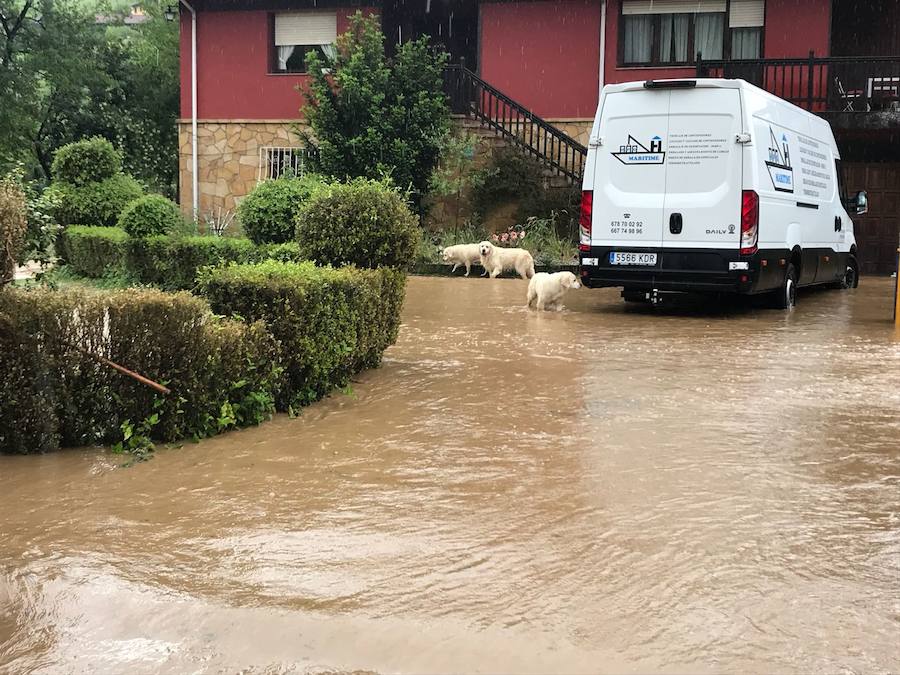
229	155
228	158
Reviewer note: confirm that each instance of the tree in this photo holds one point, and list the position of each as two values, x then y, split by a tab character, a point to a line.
370	116
64	77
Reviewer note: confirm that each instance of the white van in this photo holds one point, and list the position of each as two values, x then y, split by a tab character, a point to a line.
713	185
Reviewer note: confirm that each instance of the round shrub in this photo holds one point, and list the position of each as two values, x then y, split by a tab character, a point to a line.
98	203
269	212
86	161
366	223
149	215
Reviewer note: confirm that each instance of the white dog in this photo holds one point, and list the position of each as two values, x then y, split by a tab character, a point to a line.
495	259
547	290
462	254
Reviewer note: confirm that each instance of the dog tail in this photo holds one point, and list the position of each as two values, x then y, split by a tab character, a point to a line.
530	271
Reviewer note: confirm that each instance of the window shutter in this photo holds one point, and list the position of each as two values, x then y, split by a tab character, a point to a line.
305	28
672	6
747	13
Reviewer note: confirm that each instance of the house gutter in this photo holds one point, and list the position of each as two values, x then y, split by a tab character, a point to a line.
195	179
602	45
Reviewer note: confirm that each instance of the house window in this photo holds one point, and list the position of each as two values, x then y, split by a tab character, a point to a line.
278	162
298	33
671	32
745	21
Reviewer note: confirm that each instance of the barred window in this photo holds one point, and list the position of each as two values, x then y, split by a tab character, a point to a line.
277	162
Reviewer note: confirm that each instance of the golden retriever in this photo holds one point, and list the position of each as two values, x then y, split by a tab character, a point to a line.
546	290
495	260
462	254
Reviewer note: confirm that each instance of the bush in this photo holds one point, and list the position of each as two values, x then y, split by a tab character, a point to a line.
89	160
330	323
269	212
364	223
93	251
13	227
222	373
149	215
173	263
94	203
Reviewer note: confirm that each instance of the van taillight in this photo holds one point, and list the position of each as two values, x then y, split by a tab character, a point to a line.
749	222
587	210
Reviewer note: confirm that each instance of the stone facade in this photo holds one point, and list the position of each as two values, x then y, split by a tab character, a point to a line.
229	162
230	165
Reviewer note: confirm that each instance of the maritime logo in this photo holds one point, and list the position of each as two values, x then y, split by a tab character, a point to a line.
779	163
635	152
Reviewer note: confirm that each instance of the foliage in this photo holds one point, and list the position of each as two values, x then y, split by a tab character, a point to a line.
89	160
218	222
43	228
269	212
63	76
173	262
93	251
371	116
149	215
330	323
98	203
512	175
13	227
58	394
552	240
365	223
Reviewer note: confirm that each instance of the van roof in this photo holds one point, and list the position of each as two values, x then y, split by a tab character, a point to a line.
751	89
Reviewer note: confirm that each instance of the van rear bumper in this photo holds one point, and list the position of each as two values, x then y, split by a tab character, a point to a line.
685	270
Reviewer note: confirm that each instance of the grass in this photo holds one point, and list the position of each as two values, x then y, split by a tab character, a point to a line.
62	277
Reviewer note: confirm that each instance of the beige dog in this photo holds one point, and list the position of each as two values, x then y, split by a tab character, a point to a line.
546	290
495	260
462	254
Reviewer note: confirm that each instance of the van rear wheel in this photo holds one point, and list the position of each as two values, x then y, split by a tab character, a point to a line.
786	296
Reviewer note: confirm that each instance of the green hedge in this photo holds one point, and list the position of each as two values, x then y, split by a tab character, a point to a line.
268	213
222	373
93	251
97	203
330	323
151	215
89	160
173	263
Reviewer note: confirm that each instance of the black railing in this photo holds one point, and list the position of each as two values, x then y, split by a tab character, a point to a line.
819	84
472	96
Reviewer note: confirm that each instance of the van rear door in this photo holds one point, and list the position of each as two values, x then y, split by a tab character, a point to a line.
630	173
703	169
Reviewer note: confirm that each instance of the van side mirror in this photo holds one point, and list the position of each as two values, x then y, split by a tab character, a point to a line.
861	202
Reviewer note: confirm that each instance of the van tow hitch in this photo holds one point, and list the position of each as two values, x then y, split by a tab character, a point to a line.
654	297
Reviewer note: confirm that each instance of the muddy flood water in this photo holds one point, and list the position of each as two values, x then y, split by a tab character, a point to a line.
601	489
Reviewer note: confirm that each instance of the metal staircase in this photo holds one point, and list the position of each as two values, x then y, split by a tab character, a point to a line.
471	96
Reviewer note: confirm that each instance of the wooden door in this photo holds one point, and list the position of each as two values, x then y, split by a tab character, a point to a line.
878	231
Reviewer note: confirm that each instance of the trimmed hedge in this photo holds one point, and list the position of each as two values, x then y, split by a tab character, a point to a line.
97	203
93	251
364	222
222	373
330	323
269	212
89	160
173	263
151	215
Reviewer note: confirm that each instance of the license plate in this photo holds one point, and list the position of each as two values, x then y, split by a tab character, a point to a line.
619	258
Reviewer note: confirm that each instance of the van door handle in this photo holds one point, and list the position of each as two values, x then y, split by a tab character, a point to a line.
675	223
837	224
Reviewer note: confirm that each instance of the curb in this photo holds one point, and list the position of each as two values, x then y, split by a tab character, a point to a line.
442	270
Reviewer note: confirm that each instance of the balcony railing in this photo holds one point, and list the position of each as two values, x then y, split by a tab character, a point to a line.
820	84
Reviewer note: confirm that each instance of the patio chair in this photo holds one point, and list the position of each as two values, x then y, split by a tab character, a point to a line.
848	97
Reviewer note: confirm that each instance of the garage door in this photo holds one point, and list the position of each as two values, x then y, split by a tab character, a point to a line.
877	232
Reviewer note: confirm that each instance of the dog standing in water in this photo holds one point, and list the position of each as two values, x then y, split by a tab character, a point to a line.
495	260
546	290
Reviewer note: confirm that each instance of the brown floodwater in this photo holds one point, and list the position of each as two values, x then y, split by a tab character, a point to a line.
602	489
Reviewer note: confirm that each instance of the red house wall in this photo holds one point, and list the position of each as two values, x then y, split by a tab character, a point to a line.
544	54
233	79
793	27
